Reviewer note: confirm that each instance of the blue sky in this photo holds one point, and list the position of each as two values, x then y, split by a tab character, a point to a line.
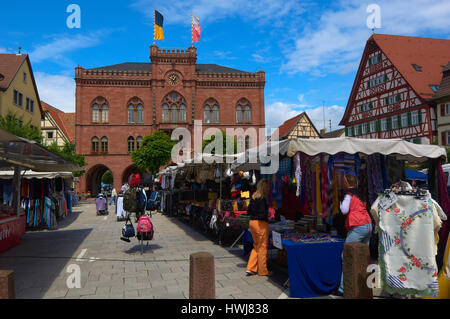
310	50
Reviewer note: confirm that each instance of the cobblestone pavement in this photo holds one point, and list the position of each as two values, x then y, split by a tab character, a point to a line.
113	269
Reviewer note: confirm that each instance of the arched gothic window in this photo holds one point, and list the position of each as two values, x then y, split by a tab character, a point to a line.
243	111
130	144
174	109
100	110
135	112
211	112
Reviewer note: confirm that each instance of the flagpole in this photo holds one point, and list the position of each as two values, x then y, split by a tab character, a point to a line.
192	30
154	22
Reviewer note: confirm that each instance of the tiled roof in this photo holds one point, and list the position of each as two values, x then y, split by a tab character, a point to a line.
428	53
288	125
147	67
9	65
334	134
65	121
444	87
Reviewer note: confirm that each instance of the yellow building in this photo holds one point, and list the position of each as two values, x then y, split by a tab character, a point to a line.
18	91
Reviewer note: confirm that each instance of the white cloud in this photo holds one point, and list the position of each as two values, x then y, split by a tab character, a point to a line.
61	45
179	12
56	90
335	42
279	112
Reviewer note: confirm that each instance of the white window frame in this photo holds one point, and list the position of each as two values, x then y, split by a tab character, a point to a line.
447	109
394	122
364	128
384	125
373	127
356	130
404	118
415	118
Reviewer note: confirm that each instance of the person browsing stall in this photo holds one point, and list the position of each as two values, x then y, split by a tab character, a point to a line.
357	220
258	210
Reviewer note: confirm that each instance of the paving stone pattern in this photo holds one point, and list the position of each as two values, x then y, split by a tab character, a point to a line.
42	260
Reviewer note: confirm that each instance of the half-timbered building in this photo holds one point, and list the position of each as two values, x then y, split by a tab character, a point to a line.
299	126
394	86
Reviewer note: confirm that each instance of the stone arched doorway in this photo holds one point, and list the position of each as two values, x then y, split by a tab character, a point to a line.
132	169
94	178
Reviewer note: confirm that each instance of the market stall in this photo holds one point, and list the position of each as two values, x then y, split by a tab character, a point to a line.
204	192
306	191
18	155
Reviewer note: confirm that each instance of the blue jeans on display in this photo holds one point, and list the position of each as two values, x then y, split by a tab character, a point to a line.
360	234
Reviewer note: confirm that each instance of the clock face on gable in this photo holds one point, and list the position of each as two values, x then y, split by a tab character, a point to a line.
173	79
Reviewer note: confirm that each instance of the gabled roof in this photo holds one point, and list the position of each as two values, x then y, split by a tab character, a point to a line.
444	87
9	66
64	121
147	67
290	124
429	54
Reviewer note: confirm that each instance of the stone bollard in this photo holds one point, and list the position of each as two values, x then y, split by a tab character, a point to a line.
7	289
202	282
356	258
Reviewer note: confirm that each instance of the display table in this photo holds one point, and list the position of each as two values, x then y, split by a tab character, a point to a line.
11	231
314	268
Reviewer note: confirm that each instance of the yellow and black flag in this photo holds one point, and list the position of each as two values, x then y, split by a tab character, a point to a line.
159	21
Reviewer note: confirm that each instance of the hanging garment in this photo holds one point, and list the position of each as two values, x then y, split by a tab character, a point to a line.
318	196
444	201
298	172
120	212
324	190
375	182
285	167
305	162
395	170
7	193
407	246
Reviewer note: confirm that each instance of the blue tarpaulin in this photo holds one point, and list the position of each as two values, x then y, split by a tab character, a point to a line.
415	175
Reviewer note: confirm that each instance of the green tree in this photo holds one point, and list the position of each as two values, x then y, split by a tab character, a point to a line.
68	153
156	151
108	178
226	140
16	126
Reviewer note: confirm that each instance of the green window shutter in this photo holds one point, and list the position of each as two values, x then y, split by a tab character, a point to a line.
398	98
353	131
385	78
370	61
346	131
368	84
409	119
386	101
371	105
399	121
378	125
420	116
389	123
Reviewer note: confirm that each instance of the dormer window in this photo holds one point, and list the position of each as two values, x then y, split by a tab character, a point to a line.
416	67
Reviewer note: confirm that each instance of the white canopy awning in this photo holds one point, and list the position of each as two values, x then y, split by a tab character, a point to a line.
33	174
401	149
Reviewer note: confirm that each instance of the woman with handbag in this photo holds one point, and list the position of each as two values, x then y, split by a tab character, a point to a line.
258	210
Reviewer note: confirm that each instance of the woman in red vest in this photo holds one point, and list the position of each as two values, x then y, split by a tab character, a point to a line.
357	222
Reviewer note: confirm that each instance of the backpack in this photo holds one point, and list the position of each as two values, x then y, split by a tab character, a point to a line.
145	228
135	180
130	204
141	200
151	203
